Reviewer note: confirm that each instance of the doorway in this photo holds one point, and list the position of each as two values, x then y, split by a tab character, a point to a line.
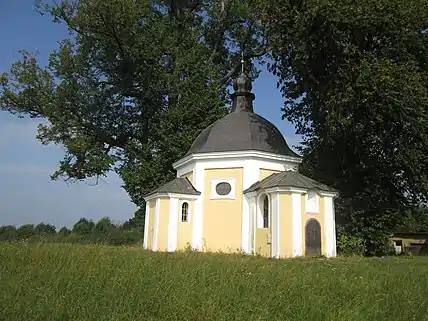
263	230
312	238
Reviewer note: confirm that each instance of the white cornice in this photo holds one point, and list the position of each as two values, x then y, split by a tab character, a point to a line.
171	195
250	195
328	194
286	189
250	154
290	189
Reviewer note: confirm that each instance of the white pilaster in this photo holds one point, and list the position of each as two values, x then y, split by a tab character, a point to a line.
334	232
156	225
275	224
252	213
296	213
250	176
329	227
173	224
146	225
198	214
255	217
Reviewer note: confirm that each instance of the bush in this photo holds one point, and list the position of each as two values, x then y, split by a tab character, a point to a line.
349	245
380	244
64	232
132	236
26	231
83	226
8	233
84	232
44	229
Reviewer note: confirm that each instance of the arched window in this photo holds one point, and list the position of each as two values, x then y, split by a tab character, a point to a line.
265	212
184	212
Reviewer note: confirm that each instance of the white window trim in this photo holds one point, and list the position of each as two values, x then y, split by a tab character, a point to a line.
230	196
189	212
260	210
315	206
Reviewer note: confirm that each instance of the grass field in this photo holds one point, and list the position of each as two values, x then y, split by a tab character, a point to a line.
73	282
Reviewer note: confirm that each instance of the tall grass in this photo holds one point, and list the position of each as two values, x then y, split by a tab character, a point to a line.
78	282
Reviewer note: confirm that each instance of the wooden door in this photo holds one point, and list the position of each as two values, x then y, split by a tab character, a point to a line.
313	238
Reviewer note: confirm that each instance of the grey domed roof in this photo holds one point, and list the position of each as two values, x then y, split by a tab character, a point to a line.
240	131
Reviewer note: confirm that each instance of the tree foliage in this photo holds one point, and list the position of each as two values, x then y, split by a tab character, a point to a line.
414	219
84	231
64	231
8	233
138	80
138	220
134	84
355	78
44	229
83	226
25	231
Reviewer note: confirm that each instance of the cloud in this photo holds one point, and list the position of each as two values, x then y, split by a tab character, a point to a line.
27	195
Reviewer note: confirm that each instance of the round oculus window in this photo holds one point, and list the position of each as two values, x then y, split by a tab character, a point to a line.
223	188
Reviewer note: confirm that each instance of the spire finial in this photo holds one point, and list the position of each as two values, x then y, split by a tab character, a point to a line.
242	98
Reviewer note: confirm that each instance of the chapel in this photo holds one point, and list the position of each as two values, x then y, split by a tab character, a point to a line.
238	189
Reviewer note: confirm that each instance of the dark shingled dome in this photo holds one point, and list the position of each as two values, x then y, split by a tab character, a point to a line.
241	129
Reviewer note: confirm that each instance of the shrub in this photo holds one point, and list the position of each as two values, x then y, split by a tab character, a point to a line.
44	229
348	244
26	231
8	233
83	226
64	232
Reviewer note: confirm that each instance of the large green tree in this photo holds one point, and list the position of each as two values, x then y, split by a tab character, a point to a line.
134	84
354	75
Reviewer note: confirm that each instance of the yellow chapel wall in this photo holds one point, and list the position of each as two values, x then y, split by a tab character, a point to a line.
319	217
263	173
263	237
262	234
285	225
185	229
163	224
263	248
222	222
151	229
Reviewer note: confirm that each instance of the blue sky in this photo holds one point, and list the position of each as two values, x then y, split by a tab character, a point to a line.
27	195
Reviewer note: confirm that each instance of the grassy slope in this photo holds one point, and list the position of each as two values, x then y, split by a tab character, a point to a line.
71	282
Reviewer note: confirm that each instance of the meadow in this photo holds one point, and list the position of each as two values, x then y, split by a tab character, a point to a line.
94	282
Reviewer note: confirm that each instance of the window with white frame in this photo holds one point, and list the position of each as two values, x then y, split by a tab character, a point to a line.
222	189
312	202
266	212
185	212
263	219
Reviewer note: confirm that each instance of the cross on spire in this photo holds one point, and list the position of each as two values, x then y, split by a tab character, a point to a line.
242	98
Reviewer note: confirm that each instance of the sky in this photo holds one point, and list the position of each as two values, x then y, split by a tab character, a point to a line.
27	194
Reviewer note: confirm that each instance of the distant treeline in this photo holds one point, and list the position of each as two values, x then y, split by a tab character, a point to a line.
104	231
84	231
